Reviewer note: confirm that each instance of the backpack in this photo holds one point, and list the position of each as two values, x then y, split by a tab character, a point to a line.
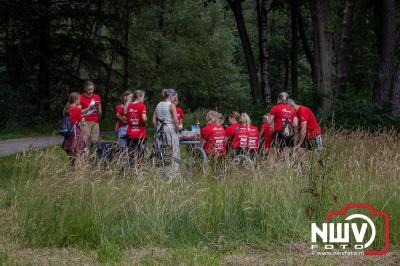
65	127
287	132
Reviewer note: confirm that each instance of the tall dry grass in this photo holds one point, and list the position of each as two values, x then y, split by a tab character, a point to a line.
96	207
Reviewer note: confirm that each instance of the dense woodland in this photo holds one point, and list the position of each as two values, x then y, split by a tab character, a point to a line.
340	57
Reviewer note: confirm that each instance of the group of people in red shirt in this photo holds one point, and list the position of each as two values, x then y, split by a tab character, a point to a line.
240	136
243	137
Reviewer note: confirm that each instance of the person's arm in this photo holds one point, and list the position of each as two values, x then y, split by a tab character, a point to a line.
271	118
172	109
144	117
120	117
227	135
295	122
99	109
154	120
302	134
84	111
202	137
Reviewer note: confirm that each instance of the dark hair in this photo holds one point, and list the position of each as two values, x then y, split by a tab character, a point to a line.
283	97
88	83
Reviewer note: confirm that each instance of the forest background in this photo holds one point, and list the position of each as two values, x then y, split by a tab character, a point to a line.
340	57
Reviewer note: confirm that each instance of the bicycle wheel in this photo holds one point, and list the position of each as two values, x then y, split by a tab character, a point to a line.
244	164
197	161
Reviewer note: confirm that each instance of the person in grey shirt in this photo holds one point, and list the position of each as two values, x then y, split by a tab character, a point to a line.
165	115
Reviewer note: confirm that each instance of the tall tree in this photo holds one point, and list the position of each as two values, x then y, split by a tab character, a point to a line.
44	48
294	6
396	92
262	12
343	65
126	50
304	41
236	7
323	53
387	45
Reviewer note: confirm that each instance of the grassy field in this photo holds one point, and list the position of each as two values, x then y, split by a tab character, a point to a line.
51	214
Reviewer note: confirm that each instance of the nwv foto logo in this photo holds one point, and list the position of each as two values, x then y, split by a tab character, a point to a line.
338	234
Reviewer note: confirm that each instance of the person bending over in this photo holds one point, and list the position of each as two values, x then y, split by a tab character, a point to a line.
310	134
284	119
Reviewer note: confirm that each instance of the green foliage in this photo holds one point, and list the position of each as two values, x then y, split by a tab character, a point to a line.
363	114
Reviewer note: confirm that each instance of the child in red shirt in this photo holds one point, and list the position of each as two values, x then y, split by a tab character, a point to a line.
213	135
91	109
266	132
249	140
232	133
136	132
121	126
74	144
179	111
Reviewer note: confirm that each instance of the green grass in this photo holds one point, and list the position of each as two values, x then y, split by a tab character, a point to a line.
20	132
96	209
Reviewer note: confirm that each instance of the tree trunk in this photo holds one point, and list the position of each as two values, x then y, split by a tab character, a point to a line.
126	53
262	9
286	77
97	25
388	44
323	51
293	52
304	41
343	66
44	58
396	92
236	7
117	36
306	47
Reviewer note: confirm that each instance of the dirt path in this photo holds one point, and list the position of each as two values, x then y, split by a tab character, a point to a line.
12	146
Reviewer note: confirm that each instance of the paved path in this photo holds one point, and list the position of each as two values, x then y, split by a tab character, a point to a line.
11	146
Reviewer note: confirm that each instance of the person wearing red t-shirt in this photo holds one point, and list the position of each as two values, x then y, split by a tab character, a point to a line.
309	130
74	144
213	135
179	111
232	133
121	126
266	133
91	110
280	114
251	132
136	132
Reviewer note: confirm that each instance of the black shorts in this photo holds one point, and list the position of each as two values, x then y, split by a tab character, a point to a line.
314	144
280	142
